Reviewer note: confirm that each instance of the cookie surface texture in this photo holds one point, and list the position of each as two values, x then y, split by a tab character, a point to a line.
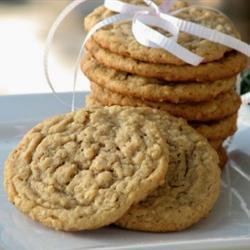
84	170
192	183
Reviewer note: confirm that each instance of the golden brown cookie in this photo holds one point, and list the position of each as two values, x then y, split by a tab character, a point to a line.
192	183
221	107
220	129
153	89
83	170
119	39
230	65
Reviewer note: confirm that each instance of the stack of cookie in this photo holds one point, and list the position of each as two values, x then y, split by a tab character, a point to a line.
123	72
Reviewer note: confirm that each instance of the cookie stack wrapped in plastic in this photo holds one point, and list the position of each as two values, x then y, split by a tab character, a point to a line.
124	72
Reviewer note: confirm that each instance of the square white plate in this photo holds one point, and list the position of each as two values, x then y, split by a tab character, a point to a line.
228	226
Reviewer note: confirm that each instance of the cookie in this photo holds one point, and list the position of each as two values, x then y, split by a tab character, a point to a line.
192	183
221	107
219	129
84	170
153	89
230	65
118	38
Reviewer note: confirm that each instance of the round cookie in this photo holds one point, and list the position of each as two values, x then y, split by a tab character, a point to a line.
230	65
83	170
119	39
192	183
221	107
217	129
153	89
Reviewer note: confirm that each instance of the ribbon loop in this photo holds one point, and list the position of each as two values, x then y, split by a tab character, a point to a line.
48	43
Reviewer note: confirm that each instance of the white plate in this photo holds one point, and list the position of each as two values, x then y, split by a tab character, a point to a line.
228	226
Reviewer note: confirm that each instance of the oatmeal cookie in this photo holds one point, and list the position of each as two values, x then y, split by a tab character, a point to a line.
83	170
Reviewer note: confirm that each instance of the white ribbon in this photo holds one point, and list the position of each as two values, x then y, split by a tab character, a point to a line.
143	18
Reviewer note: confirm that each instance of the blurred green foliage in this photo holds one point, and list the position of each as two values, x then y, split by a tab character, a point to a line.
245	82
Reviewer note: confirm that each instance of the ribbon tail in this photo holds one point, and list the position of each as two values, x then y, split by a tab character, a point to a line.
208	34
68	9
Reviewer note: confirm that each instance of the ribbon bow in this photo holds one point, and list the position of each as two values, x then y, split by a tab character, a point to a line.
143	18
